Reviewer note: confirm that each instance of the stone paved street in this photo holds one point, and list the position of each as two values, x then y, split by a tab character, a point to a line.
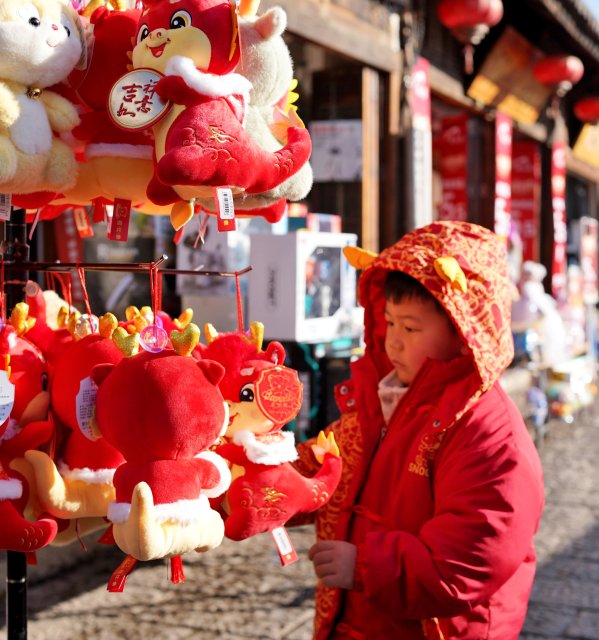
239	591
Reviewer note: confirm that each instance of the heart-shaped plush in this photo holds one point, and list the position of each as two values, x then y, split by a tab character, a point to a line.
184	342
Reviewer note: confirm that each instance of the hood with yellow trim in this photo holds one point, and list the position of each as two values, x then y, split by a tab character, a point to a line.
465	267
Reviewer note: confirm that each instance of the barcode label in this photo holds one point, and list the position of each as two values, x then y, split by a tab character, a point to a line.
287	553
225	209
5	206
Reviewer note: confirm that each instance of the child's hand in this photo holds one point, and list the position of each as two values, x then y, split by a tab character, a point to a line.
334	562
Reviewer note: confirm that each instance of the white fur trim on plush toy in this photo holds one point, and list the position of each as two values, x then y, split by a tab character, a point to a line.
207	83
184	512
10	489
223	470
259	452
85	474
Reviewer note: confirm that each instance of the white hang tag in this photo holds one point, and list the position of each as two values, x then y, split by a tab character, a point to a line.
7	396
85	406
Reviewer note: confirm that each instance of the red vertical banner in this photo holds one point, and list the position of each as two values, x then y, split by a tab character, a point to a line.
526	196
420	145
503	173
69	247
589	236
560	230
453	151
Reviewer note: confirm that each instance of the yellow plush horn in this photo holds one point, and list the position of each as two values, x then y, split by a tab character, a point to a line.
184	342
448	269
257	334
359	258
248	8
210	332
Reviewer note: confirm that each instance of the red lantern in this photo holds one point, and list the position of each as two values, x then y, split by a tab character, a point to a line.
563	72
469	21
587	109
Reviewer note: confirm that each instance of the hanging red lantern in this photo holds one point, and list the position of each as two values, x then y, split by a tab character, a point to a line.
587	109
469	21
562	72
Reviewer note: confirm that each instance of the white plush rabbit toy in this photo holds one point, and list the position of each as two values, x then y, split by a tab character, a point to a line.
41	42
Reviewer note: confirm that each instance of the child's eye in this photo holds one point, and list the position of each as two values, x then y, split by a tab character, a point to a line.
409	329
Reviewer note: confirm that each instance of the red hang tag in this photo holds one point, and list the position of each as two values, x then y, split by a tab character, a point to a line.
177	237
31	558
287	553
177	575
82	222
98	211
225	208
119	223
117	580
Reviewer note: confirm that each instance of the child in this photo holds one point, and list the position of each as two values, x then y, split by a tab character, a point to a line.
430	533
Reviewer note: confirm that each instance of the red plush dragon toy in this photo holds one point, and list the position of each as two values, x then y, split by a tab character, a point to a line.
24	377
200	142
263	395
163	411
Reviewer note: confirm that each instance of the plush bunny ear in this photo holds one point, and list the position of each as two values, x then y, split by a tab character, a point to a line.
100	372
85	38
214	371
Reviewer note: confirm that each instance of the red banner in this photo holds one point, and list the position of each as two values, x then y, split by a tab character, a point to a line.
69	247
588	259
503	173
560	230
526	196
453	150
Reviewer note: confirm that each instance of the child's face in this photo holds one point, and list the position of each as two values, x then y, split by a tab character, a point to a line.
417	330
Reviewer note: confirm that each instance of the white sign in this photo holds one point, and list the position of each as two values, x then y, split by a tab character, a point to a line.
336	150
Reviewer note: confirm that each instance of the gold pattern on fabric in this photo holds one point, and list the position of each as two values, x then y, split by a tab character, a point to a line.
348	435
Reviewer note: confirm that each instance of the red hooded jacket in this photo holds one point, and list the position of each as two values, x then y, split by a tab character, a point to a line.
444	507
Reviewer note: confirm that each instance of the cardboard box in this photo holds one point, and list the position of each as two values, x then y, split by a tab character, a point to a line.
301	286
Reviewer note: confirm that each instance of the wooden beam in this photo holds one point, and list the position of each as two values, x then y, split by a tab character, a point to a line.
370	159
338	29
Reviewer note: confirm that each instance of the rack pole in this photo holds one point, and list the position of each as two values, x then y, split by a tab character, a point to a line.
15	250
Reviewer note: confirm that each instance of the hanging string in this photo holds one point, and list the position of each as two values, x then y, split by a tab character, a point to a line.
240	325
155	290
81	274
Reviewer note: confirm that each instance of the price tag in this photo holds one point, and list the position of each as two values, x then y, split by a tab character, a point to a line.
285	548
7	396
85	406
119	222
133	104
82	222
225	209
5	201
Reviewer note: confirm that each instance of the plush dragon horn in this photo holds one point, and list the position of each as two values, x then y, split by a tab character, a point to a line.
248	8
210	332
359	258
257	334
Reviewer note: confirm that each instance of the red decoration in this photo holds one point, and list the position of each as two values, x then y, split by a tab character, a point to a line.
469	21
587	109
560	71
